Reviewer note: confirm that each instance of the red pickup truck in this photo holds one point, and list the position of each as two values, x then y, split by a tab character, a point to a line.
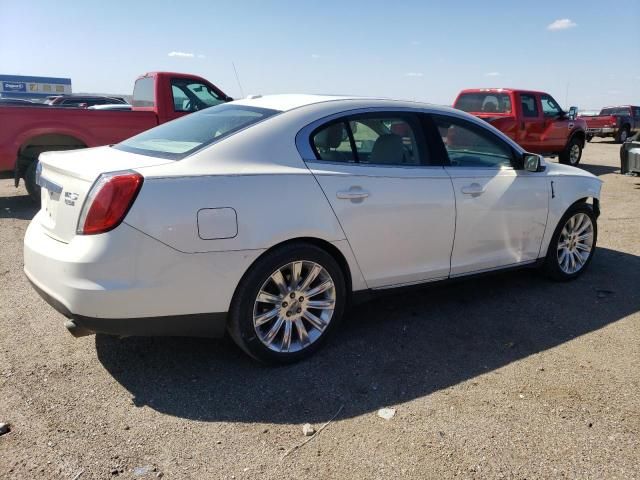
158	97
532	119
617	122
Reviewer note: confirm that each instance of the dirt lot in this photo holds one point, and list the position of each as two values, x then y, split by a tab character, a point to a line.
508	376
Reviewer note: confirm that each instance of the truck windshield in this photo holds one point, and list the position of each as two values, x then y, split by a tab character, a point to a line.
484	102
186	135
615	111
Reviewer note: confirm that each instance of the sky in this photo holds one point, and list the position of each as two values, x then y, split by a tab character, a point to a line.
584	53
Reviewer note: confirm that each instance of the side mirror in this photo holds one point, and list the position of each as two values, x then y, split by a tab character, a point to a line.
532	162
573	113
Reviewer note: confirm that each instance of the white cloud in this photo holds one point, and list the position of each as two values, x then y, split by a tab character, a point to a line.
562	24
492	74
315	55
414	74
181	54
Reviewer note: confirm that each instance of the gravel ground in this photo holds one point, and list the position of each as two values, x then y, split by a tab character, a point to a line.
508	376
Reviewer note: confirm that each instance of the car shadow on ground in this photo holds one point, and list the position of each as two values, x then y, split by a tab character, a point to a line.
391	350
599	169
20	207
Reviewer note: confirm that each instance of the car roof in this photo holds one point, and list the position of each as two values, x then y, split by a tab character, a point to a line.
286	102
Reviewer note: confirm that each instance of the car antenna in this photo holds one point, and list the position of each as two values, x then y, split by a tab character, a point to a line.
238	79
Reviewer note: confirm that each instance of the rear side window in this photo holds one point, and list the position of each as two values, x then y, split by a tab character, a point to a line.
488	102
374	139
529	105
186	135
331	143
143	95
469	145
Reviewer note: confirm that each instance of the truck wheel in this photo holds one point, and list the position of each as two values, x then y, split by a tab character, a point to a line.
622	135
30	182
572	154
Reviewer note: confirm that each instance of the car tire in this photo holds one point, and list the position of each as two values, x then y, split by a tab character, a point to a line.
566	259
271	317
622	134
33	189
572	153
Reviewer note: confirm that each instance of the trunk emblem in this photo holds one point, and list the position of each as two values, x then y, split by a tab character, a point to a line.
70	198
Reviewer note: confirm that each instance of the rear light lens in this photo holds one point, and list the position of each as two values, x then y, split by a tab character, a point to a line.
108	202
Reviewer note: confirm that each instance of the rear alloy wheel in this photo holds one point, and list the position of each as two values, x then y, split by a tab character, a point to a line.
573	243
572	153
287	304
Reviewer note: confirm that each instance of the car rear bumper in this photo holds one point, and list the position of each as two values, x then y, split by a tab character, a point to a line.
126	283
194	325
601	131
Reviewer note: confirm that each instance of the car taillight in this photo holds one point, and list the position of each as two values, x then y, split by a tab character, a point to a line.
108	202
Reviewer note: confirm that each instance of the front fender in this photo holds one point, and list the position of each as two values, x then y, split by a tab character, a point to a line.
565	191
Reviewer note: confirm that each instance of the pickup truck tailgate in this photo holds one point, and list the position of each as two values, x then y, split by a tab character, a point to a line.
67	177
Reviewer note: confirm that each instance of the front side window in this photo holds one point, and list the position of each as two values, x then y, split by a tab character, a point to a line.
469	145
529	105
549	106
191	96
181	137
374	139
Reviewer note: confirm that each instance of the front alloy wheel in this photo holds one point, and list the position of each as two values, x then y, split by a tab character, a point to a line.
573	243
288	303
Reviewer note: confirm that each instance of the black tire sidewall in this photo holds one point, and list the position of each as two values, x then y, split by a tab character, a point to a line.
565	156
30	181
552	265
240	325
619	138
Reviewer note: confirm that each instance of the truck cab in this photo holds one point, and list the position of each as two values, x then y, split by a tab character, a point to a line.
532	119
173	95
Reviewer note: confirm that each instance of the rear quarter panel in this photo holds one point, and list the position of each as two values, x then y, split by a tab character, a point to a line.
270	208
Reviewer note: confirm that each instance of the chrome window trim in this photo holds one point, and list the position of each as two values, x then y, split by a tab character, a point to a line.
303	137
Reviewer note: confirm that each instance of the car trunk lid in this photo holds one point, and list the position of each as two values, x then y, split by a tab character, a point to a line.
67	177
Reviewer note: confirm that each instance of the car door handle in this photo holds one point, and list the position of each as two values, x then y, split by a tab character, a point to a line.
474	189
352	194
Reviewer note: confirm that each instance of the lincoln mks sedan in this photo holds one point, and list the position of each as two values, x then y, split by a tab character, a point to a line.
264	217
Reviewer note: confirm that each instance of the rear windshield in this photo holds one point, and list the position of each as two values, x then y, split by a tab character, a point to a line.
615	111
182	137
485	102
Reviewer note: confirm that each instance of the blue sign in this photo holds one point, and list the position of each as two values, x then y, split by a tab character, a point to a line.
14	86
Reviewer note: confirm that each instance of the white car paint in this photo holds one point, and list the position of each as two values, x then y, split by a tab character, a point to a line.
415	225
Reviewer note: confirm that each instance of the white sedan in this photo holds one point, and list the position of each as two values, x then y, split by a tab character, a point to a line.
264	217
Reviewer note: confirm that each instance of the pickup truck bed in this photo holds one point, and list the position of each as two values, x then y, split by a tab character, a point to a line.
158	97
